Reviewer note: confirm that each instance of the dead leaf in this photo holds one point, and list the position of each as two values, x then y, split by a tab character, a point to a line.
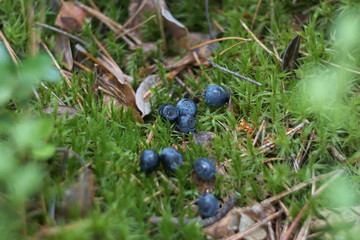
104	63
233	222
177	30
141	100
81	194
62	110
291	54
70	17
62	46
121	95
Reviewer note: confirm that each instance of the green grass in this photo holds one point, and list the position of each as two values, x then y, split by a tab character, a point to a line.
32	175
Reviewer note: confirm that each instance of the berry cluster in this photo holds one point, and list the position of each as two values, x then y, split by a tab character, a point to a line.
184	115
185	110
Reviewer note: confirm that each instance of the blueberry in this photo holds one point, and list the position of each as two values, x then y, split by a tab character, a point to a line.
186	106
215	96
149	161
204	168
186	123
169	111
208	205
171	159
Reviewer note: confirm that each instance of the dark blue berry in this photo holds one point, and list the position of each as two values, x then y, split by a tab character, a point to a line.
204	168
186	123
169	111
171	159
186	106
149	161
208	205
215	96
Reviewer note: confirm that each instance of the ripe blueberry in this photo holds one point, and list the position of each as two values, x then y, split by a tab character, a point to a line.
149	161
215	96
169	111
186	123
208	205
171	159
186	106
204	168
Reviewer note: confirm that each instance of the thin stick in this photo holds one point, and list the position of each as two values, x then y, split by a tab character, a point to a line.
302	211
63	33
161	25
271	231
107	21
233	46
270	145
208	19
256	11
233	73
8	47
120	35
333	151
218	40
132	17
260	128
263	134
258	41
254	227
176	189
298	187
275	51
184	85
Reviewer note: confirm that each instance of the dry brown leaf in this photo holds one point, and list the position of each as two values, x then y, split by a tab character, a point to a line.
81	194
142	103
62	46
70	17
104	63
177	30
233	222
118	94
62	110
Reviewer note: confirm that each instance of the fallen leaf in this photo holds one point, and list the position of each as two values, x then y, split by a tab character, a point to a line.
62	47
81	194
291	54
104	63
70	17
177	30
62	110
141	99
233	222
